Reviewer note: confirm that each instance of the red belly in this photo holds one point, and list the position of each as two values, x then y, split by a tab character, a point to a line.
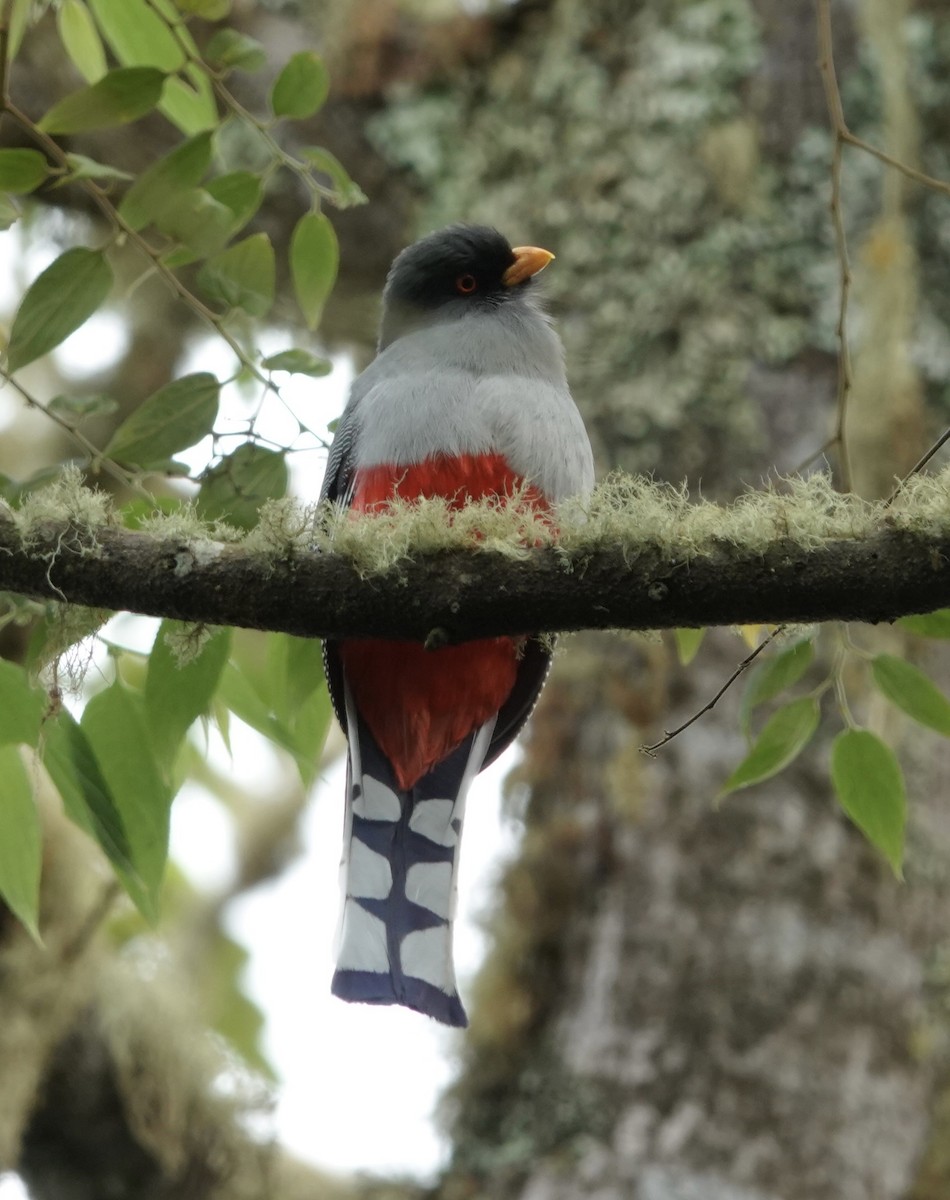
420	704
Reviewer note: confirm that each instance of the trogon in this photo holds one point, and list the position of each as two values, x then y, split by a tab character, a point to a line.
466	398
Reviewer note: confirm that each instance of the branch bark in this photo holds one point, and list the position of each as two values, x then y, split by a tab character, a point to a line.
454	595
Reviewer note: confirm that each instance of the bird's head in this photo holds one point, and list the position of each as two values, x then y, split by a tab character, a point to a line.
454	273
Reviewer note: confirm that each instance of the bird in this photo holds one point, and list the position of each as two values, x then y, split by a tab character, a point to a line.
466	398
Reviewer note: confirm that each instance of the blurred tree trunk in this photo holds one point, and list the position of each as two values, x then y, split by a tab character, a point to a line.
682	1001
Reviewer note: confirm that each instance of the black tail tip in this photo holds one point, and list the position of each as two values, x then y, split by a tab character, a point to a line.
371	987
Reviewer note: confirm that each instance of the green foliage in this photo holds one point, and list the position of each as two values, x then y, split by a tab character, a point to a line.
21	845
768	679
74	769
301	87
243	276
58	301
22	170
345	191
81	40
298	362
314	257
158	190
870	787
866	774
21	707
80	166
688	642
786	733
280	694
75	408
935	624
236	487
142	34
178	692
230	50
120	96
241	192
175	417
910	689
183	218
113	721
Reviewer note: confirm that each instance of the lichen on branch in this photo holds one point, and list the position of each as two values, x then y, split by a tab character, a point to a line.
634	555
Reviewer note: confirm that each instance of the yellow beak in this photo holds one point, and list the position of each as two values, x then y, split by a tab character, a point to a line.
529	260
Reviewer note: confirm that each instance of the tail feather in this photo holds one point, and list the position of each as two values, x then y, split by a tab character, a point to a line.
400	865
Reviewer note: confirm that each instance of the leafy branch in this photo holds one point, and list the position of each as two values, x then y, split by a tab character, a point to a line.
197	221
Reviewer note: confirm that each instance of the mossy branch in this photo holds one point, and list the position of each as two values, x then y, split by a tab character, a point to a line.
640	556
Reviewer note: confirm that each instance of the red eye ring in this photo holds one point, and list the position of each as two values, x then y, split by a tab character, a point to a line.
466	284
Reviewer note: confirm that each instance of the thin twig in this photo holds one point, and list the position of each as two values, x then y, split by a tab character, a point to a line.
668	735
806	462
918	466
839	129
937	185
96	457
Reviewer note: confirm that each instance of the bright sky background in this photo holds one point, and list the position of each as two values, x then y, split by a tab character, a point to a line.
334	1059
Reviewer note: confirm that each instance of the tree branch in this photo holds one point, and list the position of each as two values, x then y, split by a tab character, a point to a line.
592	580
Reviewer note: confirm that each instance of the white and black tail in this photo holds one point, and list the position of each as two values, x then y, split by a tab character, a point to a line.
400	861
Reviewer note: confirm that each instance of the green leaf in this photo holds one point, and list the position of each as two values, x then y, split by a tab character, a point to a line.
910	689
248	694
870	786
175	696
22	170
78	33
65	295
243	276
295	671
21	841
688	642
767	679
138	35
199	222
230	50
158	189
300	700
75	408
190	104
188	100
236	487
314	258
934	624
72	766
301	87
136	513
9	212
298	362
19	18
240	695
114	722
82	167
171	419
241	192
121	96
346	192
21	707
785	735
